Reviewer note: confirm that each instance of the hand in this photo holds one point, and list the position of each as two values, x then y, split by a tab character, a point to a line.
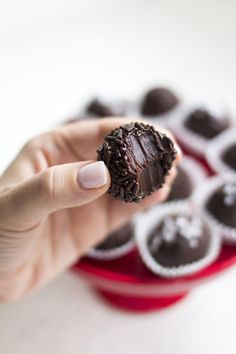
54	208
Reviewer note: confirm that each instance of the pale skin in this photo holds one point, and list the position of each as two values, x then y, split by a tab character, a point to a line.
48	217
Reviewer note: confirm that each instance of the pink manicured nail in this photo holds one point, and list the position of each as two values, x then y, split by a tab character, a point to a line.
92	175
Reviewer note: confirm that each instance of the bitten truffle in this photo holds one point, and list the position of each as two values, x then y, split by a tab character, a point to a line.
205	124
138	158
222	204
158	101
179	240
117	238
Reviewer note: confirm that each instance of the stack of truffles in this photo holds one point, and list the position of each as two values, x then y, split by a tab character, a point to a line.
184	234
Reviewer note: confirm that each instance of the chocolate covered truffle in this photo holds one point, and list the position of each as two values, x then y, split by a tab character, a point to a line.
158	101
222	204
229	156
117	238
179	240
100	109
206	124
182	186
138	158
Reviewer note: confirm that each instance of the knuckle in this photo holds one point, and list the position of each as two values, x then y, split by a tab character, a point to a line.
46	184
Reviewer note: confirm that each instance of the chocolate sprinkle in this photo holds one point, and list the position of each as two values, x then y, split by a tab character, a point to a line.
138	158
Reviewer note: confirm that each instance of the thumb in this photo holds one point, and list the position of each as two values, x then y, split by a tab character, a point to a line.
58	187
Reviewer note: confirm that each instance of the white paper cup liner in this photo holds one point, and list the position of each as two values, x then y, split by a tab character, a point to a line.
147	222
216	148
113	253
201	196
193	142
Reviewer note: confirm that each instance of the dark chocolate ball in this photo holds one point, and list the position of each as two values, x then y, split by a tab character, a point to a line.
222	204
138	158
205	124
182	186
117	238
100	109
179	240
158	101
229	156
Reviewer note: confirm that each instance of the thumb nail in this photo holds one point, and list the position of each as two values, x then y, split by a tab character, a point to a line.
93	175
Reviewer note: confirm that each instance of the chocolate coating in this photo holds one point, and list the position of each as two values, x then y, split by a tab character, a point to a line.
117	238
203	123
158	101
138	158
182	186
229	156
179	240
222	204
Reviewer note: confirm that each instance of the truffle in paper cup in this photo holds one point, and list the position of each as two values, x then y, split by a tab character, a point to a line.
117	244
157	106
190	174
104	105
213	119
177	240
221	152
217	196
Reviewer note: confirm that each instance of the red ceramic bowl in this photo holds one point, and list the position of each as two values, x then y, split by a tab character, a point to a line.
127	283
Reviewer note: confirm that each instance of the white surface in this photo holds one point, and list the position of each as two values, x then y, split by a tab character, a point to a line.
54	54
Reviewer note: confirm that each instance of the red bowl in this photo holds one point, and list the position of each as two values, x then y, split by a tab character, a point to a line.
127	283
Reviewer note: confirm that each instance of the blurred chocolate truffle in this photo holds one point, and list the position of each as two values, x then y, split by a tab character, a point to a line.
222	204
182	186
138	158
229	156
98	108
117	238
206	124
179	240
158	101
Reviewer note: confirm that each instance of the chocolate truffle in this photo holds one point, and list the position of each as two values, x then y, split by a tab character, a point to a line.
100	109
229	156
117	238
179	240
182	187
138	158
222	204
205	124
158	101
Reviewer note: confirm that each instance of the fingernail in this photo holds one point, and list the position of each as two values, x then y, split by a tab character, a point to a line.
92	175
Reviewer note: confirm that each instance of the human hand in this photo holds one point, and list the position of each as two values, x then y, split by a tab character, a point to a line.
53	209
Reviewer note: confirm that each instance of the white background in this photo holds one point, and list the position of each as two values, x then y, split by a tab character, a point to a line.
53	55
